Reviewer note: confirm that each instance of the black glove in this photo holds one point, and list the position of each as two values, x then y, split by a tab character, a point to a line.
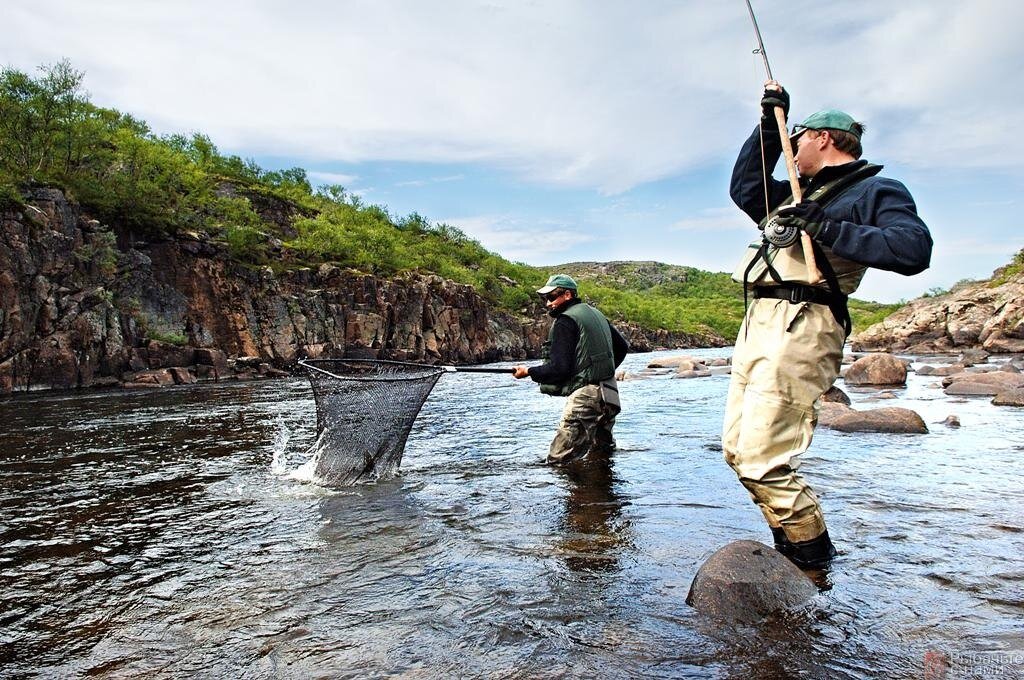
810	218
772	99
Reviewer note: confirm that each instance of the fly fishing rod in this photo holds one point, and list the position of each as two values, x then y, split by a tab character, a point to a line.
813	274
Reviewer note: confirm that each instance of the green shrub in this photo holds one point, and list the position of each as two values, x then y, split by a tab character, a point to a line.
172	338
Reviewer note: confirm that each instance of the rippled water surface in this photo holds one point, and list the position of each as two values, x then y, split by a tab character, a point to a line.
164	533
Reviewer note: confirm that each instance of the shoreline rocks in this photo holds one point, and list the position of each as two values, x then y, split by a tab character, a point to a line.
979	316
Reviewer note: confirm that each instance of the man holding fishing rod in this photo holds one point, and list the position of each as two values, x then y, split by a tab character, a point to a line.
790	345
580	357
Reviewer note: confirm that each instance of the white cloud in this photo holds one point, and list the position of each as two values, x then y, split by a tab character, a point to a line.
332	178
715	220
597	94
520	242
429	181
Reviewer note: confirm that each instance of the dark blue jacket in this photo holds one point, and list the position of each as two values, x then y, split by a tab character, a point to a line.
873	223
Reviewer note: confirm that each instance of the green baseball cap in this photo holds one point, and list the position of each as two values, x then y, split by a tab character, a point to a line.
557	281
829	119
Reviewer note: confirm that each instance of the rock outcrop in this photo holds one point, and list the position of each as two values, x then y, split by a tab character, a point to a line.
82	306
984	314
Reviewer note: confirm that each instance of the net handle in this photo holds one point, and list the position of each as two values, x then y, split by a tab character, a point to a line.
471	369
320	370
446	369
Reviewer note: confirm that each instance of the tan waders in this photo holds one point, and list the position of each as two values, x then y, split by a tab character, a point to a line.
787	355
586	425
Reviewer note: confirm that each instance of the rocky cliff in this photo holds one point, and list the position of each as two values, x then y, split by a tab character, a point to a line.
983	314
81	306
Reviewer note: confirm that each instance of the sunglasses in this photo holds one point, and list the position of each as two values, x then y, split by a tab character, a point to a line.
553	295
797	131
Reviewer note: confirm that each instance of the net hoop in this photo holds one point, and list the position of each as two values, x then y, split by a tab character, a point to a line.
385	369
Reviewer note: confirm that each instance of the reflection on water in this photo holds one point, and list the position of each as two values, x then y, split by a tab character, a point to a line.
593	534
165	533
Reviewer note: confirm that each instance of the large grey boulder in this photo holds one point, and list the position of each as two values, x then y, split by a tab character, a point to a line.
877	369
746	581
892	419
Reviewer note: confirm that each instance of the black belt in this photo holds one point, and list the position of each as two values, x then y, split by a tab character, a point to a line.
796	293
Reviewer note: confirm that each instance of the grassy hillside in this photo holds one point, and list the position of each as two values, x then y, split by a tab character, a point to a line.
141	183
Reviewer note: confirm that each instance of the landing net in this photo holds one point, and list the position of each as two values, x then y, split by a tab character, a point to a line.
364	411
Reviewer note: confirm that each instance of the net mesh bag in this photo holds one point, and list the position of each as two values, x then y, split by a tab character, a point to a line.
364	411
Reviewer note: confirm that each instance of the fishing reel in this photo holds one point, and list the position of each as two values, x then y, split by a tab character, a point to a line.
779	235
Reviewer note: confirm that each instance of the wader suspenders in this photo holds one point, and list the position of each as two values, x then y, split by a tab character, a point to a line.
823	195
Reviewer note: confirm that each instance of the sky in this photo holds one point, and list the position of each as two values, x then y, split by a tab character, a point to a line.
558	131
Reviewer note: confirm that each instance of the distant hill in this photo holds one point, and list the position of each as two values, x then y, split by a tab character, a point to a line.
677	297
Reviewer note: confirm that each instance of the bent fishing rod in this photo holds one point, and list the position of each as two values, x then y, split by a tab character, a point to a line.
814	276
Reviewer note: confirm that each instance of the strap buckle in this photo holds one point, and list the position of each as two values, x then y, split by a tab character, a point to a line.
795	295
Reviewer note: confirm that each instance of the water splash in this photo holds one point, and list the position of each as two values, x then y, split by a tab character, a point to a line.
283	435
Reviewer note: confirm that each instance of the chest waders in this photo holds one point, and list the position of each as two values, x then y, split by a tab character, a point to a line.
594	358
797	292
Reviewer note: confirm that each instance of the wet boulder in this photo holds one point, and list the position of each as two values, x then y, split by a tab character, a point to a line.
166	354
985	384
157	376
830	411
836	396
942	371
690	366
694	373
181	375
215	358
674	362
746	581
892	419
1009	398
877	369
973	356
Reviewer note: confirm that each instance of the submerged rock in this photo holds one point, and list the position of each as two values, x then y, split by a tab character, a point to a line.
746	581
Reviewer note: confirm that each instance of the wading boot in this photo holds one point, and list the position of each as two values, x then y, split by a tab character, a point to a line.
782	544
816	553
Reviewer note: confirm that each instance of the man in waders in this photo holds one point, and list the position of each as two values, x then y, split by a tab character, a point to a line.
580	357
790	345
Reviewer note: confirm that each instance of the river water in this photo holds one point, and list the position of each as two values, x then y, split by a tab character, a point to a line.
165	533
